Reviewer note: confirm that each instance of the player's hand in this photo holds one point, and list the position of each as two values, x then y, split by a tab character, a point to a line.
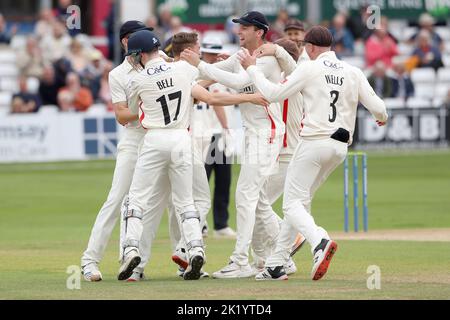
258	99
190	57
265	50
222	57
381	124
246	58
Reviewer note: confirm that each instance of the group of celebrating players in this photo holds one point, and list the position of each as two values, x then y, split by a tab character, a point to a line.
298	103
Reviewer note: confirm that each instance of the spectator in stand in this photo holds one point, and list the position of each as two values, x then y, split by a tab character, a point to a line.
44	26
25	101
62	69
427	22
77	56
380	82
105	92
358	24
92	74
165	17
295	31
56	44
152	22
232	29
343	43
110	27
277	29
402	85
176	27
381	46
30	61
5	36
49	87
428	56
74	97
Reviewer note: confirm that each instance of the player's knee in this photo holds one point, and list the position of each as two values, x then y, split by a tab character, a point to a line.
133	213
188	215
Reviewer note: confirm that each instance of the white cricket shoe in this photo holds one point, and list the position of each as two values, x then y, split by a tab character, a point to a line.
194	269
180	258
91	273
225	233
290	267
277	273
136	277
323	254
233	271
131	261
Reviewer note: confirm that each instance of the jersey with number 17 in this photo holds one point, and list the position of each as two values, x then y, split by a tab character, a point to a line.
163	91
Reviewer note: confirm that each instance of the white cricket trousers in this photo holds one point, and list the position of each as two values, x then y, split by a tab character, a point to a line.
267	223
127	153
313	162
165	152
200	190
260	160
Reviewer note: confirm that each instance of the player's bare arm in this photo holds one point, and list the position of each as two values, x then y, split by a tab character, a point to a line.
123	114
226	99
206	83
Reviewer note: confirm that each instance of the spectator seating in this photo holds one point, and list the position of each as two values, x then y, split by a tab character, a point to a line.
424	90
443	32
358	62
415	103
9	85
48	109
5	100
443	75
423	75
8	71
395	103
7	56
446	60
408	32
97	110
405	49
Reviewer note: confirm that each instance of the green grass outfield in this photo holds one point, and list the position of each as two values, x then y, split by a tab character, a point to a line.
47	211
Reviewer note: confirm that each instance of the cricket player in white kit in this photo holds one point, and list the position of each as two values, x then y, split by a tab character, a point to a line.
263	243
331	90
127	152
264	129
165	93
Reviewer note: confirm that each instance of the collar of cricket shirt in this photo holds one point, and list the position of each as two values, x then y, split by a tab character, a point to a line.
127	66
328	54
153	62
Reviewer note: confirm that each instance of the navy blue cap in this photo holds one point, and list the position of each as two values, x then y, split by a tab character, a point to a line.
142	41
131	27
253	18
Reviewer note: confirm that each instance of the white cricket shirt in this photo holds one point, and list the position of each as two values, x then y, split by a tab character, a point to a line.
119	79
256	119
164	91
331	91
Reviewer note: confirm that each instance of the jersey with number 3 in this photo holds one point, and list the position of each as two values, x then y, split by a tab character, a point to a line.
164	94
331	91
